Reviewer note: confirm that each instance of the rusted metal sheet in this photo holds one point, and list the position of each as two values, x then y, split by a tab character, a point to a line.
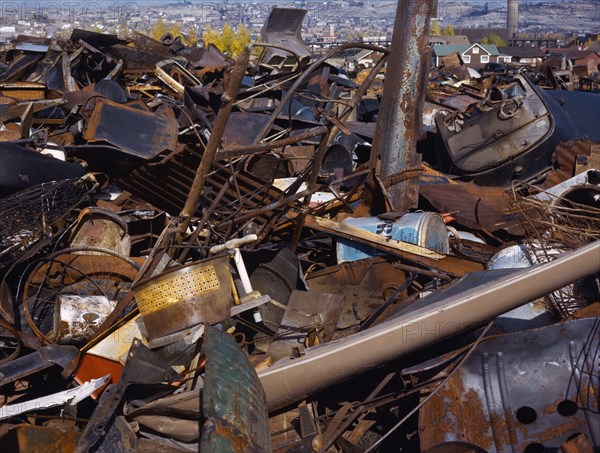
566	158
96	39
360	282
20	65
26	438
134	131
233	400
400	115
507	397
474	206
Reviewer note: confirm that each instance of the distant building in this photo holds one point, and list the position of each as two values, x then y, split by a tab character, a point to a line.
474	56
361	60
452	40
585	61
525	55
7	33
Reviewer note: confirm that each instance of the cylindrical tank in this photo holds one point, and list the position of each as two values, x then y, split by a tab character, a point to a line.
185	296
425	229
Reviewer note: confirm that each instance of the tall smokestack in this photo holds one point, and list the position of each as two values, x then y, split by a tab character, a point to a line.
512	22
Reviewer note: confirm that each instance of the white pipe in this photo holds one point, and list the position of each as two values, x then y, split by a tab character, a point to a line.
241	268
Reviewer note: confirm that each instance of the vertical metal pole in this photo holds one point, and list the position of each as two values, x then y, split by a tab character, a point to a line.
401	112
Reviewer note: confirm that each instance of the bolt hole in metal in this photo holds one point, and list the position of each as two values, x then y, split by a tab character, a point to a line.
534	448
526	415
567	408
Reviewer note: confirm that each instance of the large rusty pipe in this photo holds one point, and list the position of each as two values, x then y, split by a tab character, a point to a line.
401	111
292	380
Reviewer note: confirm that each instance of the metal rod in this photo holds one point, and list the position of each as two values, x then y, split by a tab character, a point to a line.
216	135
400	115
239	150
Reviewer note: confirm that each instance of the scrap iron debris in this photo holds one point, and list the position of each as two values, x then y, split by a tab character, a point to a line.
201	253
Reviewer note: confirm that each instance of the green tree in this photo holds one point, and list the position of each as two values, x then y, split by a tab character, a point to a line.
435	28
159	29
448	30
495	39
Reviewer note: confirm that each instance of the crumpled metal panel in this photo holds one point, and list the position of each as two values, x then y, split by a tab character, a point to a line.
134	131
472	205
364	284
233	400
283	28
22	168
528	391
565	159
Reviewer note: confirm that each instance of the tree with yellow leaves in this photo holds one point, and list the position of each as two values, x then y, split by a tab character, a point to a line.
192	38
495	39
175	31
435	28
159	29
213	37
227	41
242	38
448	30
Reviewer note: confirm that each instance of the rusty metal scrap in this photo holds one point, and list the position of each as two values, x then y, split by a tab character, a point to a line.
257	255
106	122
491	402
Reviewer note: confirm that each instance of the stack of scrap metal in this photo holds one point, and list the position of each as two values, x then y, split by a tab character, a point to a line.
202	252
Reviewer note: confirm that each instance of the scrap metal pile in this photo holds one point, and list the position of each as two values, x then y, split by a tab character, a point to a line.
206	254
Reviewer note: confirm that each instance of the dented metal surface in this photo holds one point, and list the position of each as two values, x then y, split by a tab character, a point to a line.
507	397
